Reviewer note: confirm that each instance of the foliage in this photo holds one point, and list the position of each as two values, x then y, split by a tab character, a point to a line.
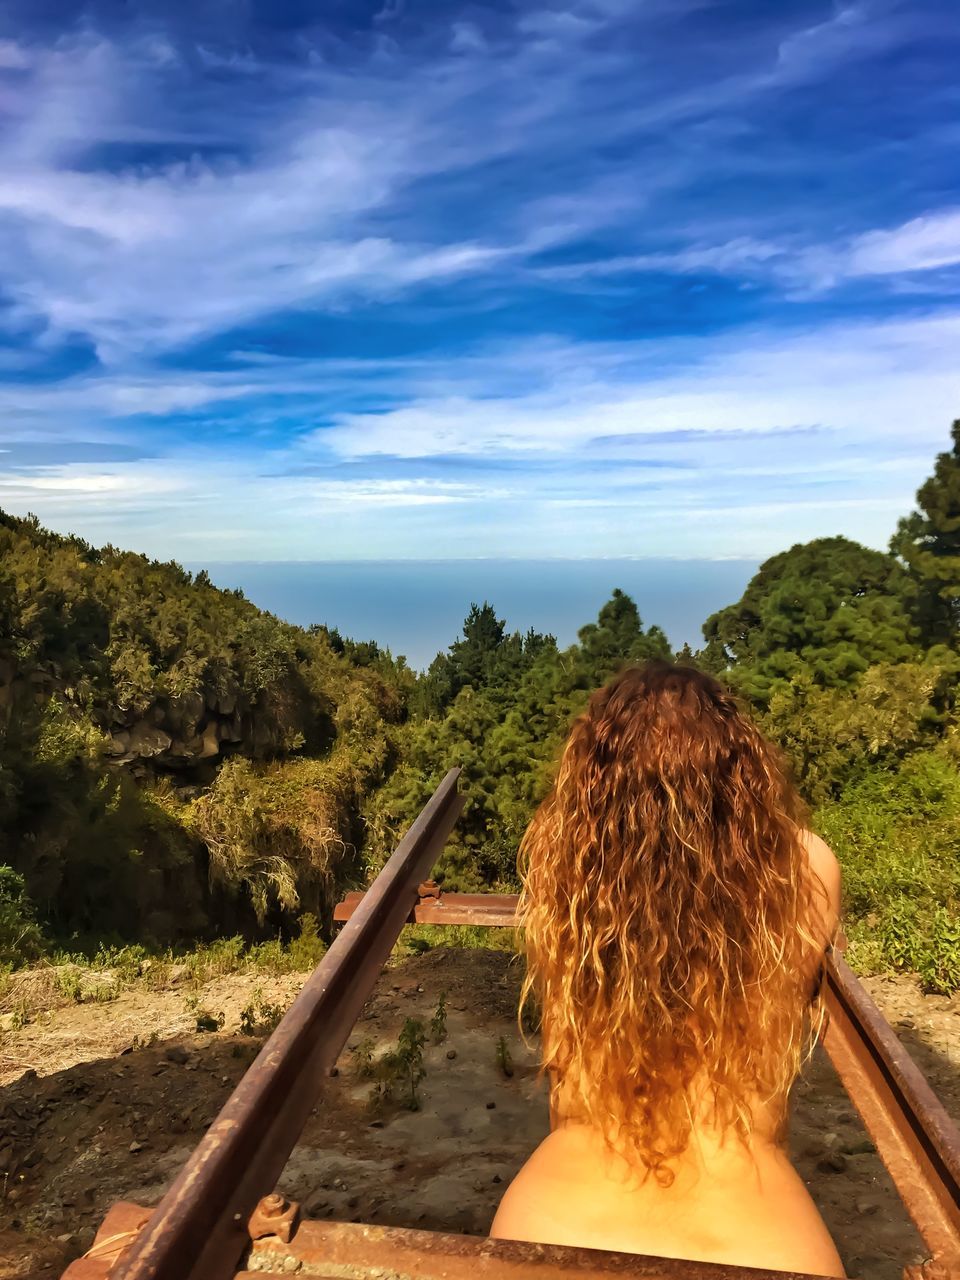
20	938
177	764
928	541
124	684
826	610
260	1016
438	1023
279	830
835	735
897	835
362	1060
504	710
203	1018
402	1068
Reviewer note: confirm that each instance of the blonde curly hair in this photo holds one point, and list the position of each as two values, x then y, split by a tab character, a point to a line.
667	910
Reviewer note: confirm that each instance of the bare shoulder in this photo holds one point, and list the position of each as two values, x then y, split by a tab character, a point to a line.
826	871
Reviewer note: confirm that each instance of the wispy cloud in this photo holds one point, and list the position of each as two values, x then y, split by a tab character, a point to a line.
566	277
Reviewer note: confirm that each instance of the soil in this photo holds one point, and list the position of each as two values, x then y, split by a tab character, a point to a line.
92	1112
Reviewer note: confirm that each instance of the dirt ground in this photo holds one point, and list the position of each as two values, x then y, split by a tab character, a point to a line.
86	1118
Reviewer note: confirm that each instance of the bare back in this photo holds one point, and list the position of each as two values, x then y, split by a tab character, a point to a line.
728	1202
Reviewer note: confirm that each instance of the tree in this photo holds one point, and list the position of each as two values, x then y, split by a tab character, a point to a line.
618	637
472	658
928	542
827	609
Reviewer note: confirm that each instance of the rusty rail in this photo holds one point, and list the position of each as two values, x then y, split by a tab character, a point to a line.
199	1230
915	1138
433	907
917	1141
218	1207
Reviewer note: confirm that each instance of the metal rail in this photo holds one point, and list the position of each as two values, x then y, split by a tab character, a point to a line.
915	1138
219	1204
199	1230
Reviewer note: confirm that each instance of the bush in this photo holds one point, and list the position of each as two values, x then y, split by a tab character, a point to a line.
897	836
20	938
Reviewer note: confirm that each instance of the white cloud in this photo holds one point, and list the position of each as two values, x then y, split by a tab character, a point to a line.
923	244
872	380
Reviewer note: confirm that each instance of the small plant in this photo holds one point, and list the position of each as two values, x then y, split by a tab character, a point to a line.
401	1068
20	1016
146	1042
259	1017
204	1019
504	1061
362	1059
306	952
69	985
438	1023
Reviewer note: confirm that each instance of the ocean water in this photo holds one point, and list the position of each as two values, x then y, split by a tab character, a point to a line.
416	608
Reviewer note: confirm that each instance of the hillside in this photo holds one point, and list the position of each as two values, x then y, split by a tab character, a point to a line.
177	764
172	758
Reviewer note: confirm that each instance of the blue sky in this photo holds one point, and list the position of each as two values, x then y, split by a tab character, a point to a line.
291	280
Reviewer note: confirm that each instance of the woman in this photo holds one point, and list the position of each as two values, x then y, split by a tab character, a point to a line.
676	914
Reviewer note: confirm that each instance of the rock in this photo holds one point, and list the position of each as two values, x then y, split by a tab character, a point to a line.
491	1106
496	1178
210	742
135	1147
231	730
224	704
176	1053
148	740
451	1054
832	1162
858	1147
866	1207
183	713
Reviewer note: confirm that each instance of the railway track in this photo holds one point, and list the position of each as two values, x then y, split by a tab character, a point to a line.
221	1218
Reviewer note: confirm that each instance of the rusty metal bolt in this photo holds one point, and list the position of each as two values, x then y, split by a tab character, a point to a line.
273	1205
275	1215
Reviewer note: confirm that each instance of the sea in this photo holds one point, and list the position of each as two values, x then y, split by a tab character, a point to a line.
417	607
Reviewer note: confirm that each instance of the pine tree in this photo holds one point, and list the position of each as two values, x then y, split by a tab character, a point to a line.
928	542
618	636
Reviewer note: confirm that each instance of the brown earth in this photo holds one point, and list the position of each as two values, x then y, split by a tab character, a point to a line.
87	1119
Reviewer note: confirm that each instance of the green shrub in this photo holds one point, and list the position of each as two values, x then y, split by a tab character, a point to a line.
897	836
259	1017
401	1068
438	1023
20	937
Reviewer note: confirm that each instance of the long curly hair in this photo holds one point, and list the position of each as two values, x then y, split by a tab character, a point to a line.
667	910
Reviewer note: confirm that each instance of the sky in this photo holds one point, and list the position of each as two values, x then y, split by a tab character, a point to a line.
284	280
